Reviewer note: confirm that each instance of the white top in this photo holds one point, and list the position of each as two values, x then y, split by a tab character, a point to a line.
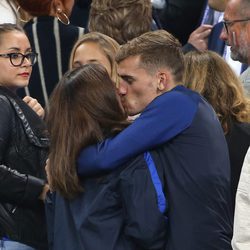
235	65
158	4
7	15
241	235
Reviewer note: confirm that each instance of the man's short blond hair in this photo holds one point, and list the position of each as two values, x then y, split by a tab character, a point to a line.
157	49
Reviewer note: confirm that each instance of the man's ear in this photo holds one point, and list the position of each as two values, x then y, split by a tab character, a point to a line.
162	84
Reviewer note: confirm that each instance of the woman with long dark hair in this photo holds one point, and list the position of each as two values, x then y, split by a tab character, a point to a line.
120	210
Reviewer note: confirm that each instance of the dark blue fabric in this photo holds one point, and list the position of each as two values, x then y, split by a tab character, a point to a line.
214	41
196	170
118	211
182	17
243	67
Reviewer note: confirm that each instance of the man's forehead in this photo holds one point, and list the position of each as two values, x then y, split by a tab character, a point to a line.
232	9
129	65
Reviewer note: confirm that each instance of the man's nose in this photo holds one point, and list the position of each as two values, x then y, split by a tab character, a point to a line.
224	35
122	89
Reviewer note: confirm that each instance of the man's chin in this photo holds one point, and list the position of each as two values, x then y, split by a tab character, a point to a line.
238	57
235	56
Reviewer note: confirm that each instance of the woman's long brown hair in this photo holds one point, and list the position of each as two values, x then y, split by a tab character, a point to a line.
84	109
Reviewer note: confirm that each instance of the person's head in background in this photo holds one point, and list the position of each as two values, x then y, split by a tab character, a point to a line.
218	5
148	66
209	74
59	8
16	57
236	32
122	20
86	105
95	47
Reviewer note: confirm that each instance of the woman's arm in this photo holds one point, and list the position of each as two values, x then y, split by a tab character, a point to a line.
15	187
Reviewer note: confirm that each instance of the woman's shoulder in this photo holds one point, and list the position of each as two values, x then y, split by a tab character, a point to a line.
5	103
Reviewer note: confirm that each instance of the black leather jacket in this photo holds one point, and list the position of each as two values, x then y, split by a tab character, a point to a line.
23	152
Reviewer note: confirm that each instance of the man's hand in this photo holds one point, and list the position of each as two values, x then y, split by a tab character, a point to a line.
199	37
35	105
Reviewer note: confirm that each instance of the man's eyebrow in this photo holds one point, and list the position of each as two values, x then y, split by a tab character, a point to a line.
126	77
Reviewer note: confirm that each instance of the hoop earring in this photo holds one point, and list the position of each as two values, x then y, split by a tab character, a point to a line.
19	15
60	12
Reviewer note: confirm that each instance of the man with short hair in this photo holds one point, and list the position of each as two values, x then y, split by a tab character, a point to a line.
190	150
236	34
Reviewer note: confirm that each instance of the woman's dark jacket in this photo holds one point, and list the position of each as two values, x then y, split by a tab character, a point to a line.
119	211
23	152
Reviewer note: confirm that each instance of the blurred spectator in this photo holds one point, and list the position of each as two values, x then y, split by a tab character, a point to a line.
120	19
236	35
181	17
52	37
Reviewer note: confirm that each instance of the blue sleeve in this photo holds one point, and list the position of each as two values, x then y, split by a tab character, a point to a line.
164	118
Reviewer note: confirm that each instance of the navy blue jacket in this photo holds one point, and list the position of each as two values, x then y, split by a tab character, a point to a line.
193	160
120	211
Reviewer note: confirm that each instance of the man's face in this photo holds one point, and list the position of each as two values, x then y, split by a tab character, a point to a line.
237	34
137	87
